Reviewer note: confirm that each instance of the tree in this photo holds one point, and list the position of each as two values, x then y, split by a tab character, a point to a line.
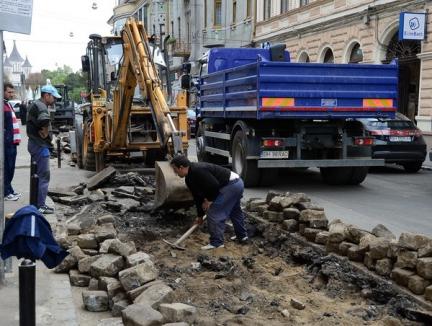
74	80
34	80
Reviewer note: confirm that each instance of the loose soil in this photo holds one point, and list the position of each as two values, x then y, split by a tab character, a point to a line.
254	284
272	280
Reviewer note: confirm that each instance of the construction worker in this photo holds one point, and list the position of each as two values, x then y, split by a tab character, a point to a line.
39	143
217	192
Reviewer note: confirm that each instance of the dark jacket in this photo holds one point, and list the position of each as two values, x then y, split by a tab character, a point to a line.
38	117
28	235
204	180
8	124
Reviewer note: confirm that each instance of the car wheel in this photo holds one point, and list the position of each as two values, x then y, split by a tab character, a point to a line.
412	167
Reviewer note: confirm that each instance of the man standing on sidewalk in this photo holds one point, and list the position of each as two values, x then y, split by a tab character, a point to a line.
39	143
12	138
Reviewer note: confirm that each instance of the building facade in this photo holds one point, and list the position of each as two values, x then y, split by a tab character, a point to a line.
16	69
355	31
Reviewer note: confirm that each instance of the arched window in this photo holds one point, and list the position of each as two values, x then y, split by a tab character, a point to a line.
328	56
303	57
356	55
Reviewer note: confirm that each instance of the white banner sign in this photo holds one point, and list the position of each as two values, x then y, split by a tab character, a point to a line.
16	16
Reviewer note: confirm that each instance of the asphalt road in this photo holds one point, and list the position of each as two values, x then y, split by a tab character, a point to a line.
400	201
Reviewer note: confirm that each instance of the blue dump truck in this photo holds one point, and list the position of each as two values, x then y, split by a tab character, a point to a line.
262	113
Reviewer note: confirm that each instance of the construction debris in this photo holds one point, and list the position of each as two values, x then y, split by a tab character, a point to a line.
297	268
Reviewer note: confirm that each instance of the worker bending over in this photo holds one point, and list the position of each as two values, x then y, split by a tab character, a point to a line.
217	192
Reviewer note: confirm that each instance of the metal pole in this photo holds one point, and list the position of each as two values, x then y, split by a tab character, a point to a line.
34	191
27	293
58	153
2	222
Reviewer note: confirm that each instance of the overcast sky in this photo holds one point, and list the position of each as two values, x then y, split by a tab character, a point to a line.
50	45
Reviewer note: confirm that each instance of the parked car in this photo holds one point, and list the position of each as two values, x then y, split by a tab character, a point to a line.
191	119
15	105
397	141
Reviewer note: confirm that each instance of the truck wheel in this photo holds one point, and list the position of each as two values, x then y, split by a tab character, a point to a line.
247	169
359	174
89	159
412	167
348	175
336	175
204	156
99	161
268	177
88	154
153	155
79	144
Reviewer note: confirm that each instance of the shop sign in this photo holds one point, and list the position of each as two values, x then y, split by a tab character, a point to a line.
412	26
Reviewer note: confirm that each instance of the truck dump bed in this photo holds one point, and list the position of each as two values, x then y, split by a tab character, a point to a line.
275	89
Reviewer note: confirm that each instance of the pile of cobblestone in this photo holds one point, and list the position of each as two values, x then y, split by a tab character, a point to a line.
118	278
407	261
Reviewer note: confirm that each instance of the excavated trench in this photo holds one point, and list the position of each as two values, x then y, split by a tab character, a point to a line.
272	280
275	279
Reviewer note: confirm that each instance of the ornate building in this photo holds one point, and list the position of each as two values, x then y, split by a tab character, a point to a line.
16	68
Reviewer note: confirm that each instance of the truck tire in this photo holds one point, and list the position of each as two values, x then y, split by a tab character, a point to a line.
89	159
79	144
99	161
246	169
346	175
268	177
359	174
412	167
204	156
88	154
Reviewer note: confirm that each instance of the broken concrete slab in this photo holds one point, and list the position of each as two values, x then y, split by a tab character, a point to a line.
100	178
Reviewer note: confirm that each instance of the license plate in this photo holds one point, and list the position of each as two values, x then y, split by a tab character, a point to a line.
400	139
274	154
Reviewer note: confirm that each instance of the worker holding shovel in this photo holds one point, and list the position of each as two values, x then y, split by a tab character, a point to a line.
217	192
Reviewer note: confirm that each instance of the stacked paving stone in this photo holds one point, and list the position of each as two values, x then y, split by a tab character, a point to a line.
118	278
407	261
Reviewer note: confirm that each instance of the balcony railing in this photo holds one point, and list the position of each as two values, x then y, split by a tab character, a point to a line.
181	49
213	37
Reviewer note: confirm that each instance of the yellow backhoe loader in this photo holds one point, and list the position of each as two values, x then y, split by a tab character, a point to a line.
128	115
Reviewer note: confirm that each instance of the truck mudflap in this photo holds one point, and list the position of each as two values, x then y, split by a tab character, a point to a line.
354	162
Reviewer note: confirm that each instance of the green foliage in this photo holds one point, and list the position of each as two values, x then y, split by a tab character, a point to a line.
74	80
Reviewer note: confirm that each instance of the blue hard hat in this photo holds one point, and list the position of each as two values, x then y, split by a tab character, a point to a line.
50	89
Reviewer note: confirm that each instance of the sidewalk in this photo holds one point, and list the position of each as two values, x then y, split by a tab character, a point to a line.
54	301
427	164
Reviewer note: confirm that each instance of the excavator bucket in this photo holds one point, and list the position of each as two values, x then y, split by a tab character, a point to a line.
171	190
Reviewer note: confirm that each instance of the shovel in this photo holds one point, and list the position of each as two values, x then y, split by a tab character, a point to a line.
176	244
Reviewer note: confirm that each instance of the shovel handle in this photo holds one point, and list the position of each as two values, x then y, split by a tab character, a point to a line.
188	232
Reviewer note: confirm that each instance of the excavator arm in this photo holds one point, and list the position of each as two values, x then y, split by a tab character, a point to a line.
138	68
